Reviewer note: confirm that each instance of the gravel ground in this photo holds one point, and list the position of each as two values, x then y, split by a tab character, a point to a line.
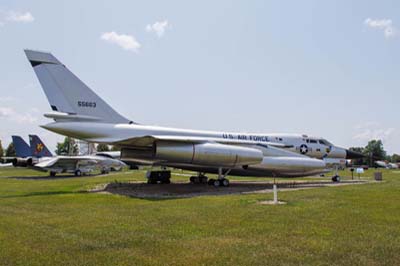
185	189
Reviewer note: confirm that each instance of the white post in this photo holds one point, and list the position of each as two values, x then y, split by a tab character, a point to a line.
275	194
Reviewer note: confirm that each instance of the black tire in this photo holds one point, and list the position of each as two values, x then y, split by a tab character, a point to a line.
52	174
203	179
211	181
225	182
336	178
192	179
217	183
78	173
167	181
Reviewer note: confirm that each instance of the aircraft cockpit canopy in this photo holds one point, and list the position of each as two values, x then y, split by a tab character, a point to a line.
324	142
319	141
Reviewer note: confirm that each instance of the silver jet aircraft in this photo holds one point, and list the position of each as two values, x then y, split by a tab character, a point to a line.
80	113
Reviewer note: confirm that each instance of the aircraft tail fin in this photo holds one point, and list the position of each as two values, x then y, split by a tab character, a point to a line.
22	149
66	93
38	148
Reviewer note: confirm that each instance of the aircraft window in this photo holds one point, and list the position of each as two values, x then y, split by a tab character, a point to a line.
308	141
325	142
313	141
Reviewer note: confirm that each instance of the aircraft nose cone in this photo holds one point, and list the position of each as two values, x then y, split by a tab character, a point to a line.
353	155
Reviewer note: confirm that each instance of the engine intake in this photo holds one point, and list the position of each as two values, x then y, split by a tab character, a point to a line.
213	154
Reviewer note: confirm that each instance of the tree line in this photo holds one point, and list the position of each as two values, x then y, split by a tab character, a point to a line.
69	146
8	152
374	151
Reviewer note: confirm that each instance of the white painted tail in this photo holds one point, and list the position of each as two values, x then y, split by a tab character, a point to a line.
67	93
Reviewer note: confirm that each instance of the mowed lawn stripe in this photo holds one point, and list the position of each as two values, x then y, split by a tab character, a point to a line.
56	222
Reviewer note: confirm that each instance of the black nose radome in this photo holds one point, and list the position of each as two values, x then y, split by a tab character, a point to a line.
354	155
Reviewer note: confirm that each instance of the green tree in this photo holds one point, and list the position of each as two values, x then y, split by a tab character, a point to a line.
67	147
375	151
102	147
10	151
115	148
1	151
395	158
361	161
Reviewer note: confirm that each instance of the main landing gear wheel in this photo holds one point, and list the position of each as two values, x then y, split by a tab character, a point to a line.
336	178
78	173
52	174
202	179
219	182
155	177
224	182
104	171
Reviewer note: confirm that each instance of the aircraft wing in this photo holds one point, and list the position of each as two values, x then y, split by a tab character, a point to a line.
149	140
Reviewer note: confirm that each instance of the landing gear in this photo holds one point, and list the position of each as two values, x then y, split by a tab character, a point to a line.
336	178
78	173
104	171
199	179
225	182
52	174
155	177
222	181
218	182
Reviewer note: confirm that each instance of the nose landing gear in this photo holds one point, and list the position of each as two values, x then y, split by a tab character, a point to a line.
336	177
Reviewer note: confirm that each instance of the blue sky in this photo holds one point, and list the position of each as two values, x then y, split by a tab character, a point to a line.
326	68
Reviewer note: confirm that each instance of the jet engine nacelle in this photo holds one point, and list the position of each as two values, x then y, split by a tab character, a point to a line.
22	162
212	154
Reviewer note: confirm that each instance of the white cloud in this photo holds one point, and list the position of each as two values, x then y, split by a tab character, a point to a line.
368	134
158	27
11	115
7	99
386	25
6	111
373	130
15	16
126	42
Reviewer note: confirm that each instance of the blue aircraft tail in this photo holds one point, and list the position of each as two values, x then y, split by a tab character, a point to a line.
38	149
22	149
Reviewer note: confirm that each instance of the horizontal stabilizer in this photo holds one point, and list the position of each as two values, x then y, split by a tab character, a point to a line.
37	58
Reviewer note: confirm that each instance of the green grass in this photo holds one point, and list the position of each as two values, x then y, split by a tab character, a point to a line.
55	222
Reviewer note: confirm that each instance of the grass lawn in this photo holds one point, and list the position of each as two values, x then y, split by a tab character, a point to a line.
56	222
